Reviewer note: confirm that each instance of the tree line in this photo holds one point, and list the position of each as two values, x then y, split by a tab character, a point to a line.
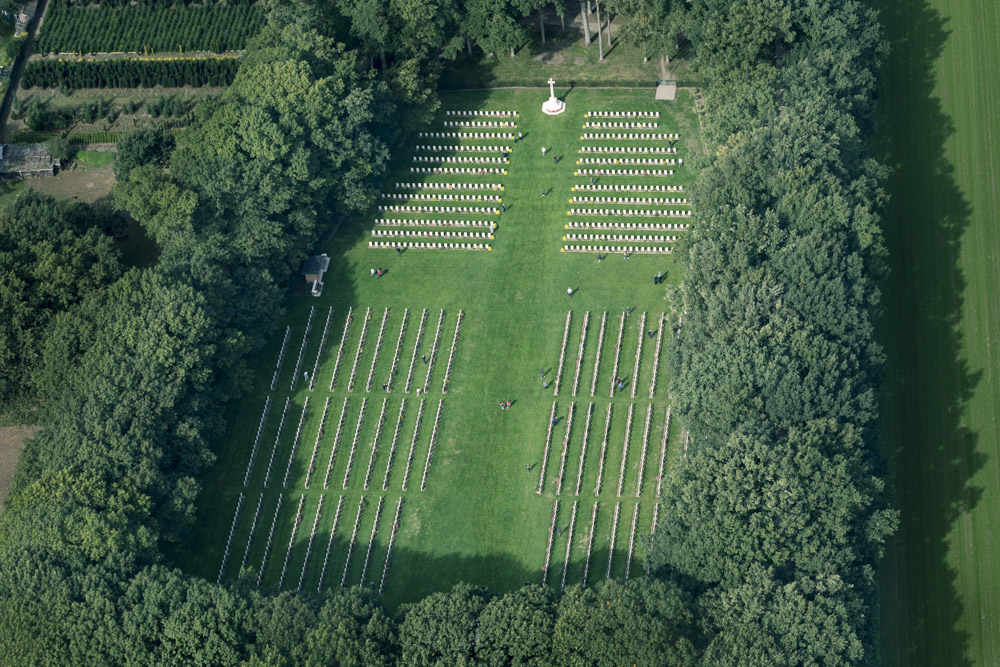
149	27
129	73
773	523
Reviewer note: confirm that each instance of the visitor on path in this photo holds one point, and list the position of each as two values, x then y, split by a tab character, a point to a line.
650	334
373	273
508	405
519	136
569	290
379	272
528	467
543	151
555	160
541	374
599	258
555	420
545	385
503	209
591	180
543	192
399	251
502	405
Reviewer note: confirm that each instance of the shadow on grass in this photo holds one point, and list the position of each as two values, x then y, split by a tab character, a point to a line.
931	452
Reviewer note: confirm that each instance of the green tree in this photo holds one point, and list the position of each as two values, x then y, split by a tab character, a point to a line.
516	629
442	629
53	255
143	146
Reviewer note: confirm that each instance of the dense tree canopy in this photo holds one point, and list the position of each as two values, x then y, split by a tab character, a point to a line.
772	524
52	255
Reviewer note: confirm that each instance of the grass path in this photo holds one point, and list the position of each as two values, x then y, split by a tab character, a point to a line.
939	127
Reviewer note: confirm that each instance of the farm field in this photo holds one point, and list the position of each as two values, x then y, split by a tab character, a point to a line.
481	518
941	329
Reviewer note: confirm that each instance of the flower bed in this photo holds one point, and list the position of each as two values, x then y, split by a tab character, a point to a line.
354	539
434	350
619	125
256	441
319	352
631	250
459	148
416	348
340	349
277	439
408	233
569	545
436	197
590	545
565	449
656	356
583	449
451	354
645	446
458	159
638	226
253	531
548	547
600	187
604	449
622	114
601	136
354	442
361	347
620	238
487	136
399	348
631	541
562	352
628	438
295	442
394	222
371	539
378	434
631	173
336	443
378	350
229	542
614	533
329	545
618	353
430	448
270	540
632	213
302	348
648	150
413	443
309	544
545	453
281	357
579	357
638	349
640	201
485	113
319	436
465	171
455	210
392	541
495	124
635	161
395	441
449	186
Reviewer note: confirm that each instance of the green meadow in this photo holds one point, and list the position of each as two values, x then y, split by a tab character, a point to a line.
939	110
481	518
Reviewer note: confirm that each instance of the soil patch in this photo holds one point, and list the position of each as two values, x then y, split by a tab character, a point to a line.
11	443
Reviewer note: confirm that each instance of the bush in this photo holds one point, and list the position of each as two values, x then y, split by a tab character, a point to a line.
59	147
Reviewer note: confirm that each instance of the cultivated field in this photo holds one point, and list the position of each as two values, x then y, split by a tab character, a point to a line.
481	517
938	127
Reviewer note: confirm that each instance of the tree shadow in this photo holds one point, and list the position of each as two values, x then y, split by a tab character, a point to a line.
931	452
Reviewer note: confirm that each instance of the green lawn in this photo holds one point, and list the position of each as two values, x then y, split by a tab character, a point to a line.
939	106
480	519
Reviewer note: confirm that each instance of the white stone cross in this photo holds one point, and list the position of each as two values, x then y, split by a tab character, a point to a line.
552	83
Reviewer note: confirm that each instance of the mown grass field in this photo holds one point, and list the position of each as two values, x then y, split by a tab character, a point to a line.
939	128
480	519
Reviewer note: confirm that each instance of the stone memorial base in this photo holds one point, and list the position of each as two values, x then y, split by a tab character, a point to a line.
554	106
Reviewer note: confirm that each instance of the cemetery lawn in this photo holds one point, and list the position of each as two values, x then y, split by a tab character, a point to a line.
480	519
938	120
